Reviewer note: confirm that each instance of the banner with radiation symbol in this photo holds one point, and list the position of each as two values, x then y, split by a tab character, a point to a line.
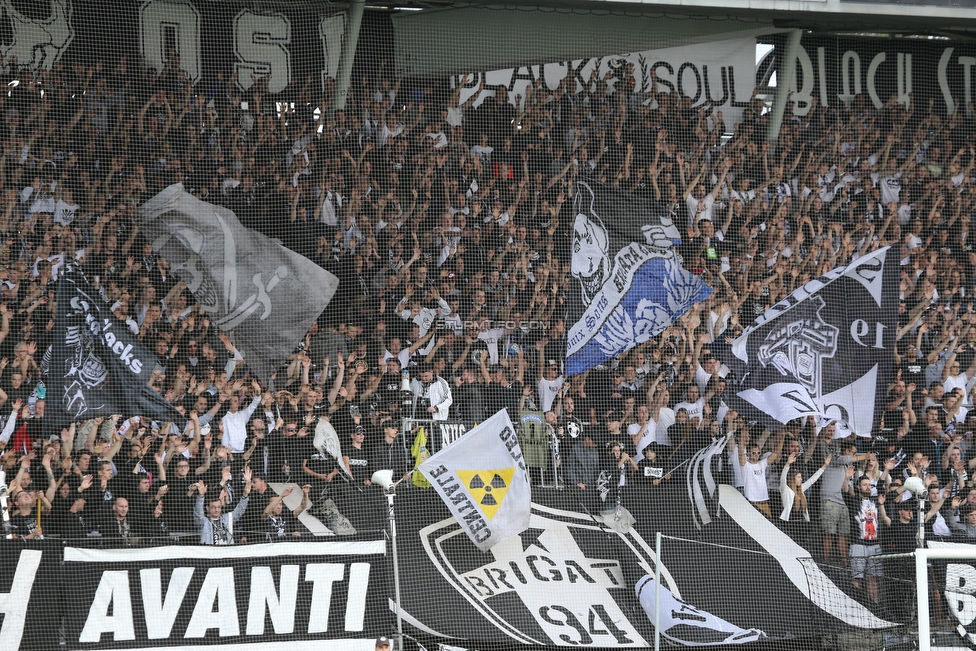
483	481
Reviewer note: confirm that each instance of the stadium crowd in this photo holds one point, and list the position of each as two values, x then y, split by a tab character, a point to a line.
450	226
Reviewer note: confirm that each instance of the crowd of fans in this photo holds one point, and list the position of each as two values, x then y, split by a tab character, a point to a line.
450	226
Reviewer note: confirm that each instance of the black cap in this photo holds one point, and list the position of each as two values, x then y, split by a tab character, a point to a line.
615	414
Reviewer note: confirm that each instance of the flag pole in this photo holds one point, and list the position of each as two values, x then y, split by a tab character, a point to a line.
384	479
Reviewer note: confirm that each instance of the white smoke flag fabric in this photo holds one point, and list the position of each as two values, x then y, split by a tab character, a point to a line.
264	295
98	367
686	625
628	285
824	350
483	481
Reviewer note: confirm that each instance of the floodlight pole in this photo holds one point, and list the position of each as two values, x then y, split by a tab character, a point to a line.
786	74
390	494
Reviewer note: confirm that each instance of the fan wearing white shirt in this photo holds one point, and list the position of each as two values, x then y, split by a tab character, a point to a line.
699	201
952	375
693	403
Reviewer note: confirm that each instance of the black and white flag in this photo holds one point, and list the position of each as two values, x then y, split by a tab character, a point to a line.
264	295
98	366
825	350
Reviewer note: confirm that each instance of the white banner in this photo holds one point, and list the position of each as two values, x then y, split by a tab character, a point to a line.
483	481
722	71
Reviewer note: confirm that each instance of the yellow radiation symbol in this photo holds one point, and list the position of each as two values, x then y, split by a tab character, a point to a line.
488	487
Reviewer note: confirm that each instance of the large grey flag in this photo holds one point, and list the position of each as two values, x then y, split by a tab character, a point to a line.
264	295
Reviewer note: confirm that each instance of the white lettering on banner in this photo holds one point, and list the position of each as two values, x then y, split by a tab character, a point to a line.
330	31
215	606
260	42
356	600
876	62
112	595
217	585
159	22
567	585
451	432
322	576
161	611
13	604
263	592
944	82
960	594
802	96
883	65
850	59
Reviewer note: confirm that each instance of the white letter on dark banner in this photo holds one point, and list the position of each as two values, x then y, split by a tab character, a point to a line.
180	19
263	592
331	30
878	59
960	580
161	611
260	42
944	82
904	77
356	603
851	59
13	604
967	64
113	591
322	576
218	585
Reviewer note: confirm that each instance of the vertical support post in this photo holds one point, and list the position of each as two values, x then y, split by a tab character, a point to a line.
784	79
390	494
657	592
349	43
921	580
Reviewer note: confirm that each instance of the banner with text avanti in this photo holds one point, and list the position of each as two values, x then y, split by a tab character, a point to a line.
308	595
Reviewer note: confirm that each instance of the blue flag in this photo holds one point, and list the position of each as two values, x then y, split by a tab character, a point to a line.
628	283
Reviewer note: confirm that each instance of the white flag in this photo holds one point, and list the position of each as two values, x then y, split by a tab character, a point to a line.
482	479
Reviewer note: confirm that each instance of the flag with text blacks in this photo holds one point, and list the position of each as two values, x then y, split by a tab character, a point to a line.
98	366
483	481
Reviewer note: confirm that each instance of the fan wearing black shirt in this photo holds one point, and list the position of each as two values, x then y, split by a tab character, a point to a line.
389	453
23	516
899	410
287	451
67	518
279	523
356	458
469	398
912	366
499	392
181	495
